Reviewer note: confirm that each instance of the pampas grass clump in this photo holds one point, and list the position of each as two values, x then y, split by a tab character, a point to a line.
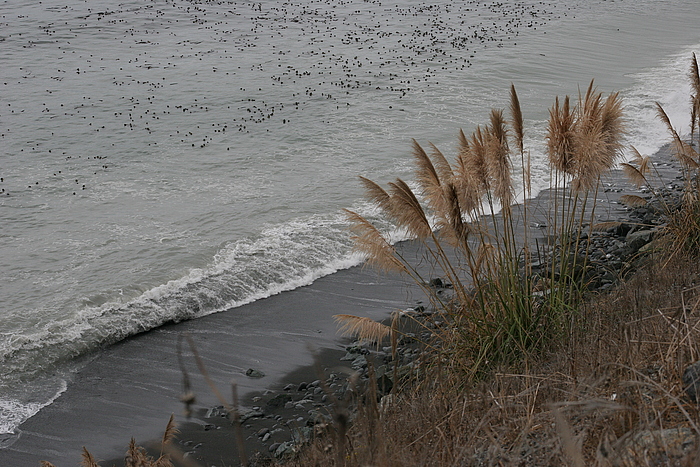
462	215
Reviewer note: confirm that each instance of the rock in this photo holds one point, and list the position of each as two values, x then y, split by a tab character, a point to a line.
255	413
302	435
348	357
219	411
691	381
280	400
250	372
356	349
316	417
651	447
359	362
285	449
638	239
384	384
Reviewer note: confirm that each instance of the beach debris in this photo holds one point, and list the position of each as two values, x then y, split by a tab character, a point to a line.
252	373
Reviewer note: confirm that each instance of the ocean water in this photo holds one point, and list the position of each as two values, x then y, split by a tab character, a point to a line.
162	160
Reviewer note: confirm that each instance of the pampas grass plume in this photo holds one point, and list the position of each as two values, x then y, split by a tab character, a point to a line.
87	459
632	200
370	241
634	174
517	122
363	328
407	210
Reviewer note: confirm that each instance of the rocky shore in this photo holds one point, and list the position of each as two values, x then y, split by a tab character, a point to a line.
279	421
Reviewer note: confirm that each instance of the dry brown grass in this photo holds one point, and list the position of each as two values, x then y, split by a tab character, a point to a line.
581	404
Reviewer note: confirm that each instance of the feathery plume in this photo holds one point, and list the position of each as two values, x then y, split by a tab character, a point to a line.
452	227
377	195
170	432
407	210
517	119
468	174
498	163
442	166
695	74
463	141
634	174
589	142
694	107
643	162
87	459
612	128
475	161
560	137
428	178
680	147
371	242
598	137
632	200
636	156
695	97
363	328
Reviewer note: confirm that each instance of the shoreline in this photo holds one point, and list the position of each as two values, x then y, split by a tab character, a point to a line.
269	420
131	388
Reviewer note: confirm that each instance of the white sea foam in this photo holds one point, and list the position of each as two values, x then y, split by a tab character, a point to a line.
13	412
667	84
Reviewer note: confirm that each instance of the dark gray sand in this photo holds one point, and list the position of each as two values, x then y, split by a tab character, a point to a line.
130	389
